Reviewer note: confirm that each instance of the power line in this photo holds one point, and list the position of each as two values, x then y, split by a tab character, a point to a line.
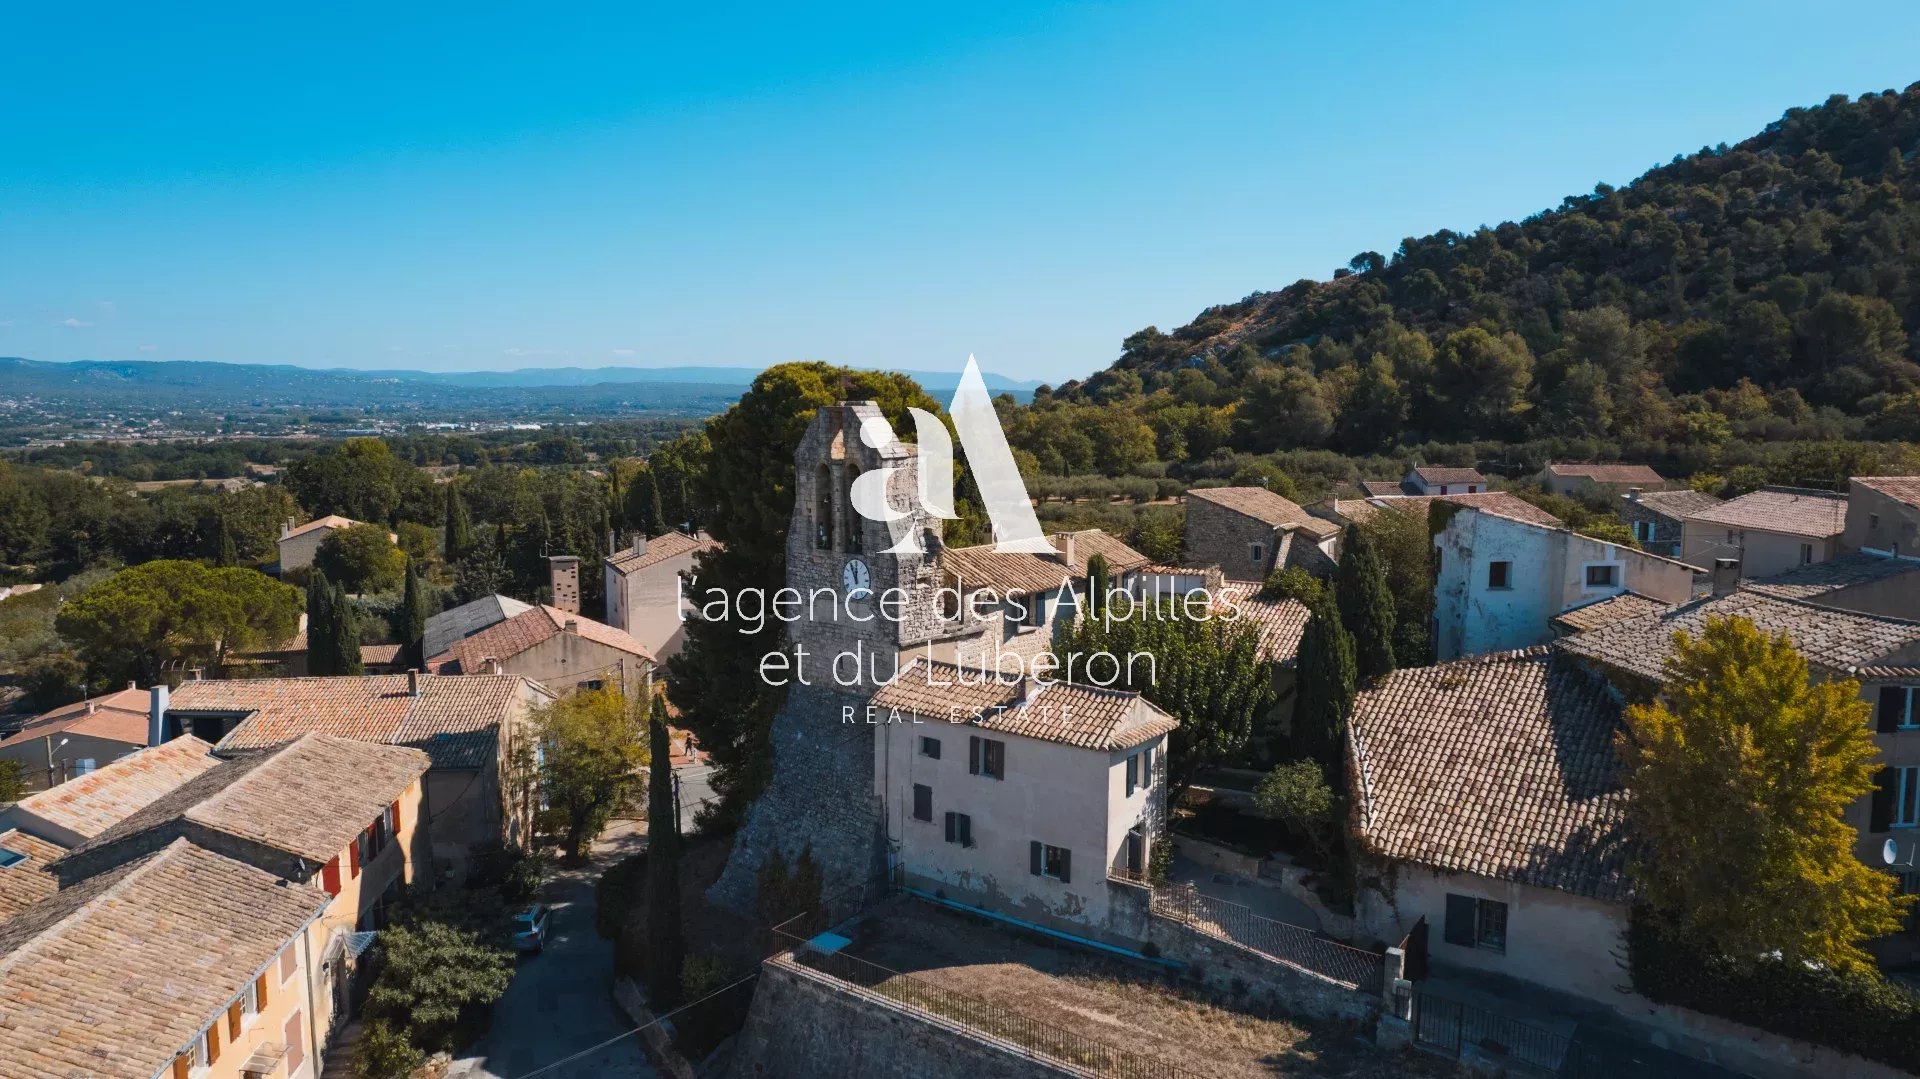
629	1033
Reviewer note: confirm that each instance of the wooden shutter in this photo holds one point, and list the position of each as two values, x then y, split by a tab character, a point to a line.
1066	866
260	992
182	1066
966	830
1133	773
996	752
353	855
973	755
330	876
1035	857
233	1020
1880	816
396	818
213	1042
950	826
1461	911
1893	705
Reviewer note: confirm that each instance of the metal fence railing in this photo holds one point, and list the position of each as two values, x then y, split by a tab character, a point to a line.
1446	1026
983	1018
1357	967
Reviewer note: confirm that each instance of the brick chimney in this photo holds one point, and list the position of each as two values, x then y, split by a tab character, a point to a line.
564	572
1066	548
1726	576
413	682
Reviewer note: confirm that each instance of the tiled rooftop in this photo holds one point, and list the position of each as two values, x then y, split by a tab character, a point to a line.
1900	488
1677	504
1015	573
1263	505
507	639
466	709
659	549
1501	766
447	627
1075	715
1606	612
1281	622
1837	641
1810	582
1791	510
1499	503
90	804
310	798
116	975
1602	473
120	716
26	882
1431	474
332	520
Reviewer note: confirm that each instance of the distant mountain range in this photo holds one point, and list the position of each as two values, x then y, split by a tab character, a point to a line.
223	386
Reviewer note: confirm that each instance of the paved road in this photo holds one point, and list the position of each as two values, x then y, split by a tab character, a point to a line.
560	1001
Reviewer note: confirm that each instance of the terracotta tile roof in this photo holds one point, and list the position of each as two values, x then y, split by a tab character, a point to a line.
1382	488
1265	506
1607	473
1813	581
659	549
309	798
116	975
1085	716
1498	503
1440	474
455	719
507	639
1015	573
90	804
26	882
1281	622
1678	505
1501	766
1789	510
1606	612
469	618
1900	488
332	520
1835	640
120	716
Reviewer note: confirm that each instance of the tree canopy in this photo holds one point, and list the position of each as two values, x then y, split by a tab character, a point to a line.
160	616
362	558
592	750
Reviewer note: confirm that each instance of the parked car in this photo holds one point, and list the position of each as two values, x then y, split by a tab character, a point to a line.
530	928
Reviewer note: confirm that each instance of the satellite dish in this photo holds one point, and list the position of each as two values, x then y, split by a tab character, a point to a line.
1889	853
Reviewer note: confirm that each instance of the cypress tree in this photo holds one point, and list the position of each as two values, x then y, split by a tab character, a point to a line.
225	554
643	504
319	623
1098	581
1366	606
1325	698
346	633
413	611
665	947
459	526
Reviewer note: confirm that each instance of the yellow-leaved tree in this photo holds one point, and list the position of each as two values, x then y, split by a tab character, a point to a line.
1741	776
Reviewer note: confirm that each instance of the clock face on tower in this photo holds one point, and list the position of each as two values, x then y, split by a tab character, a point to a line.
856	577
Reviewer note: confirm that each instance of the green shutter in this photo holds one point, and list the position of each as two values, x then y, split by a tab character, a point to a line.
1461	910
1066	866
949	825
1034	855
973	755
1893	705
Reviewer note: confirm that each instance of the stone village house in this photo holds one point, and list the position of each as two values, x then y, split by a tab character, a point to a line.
299	543
1658	517
1249	532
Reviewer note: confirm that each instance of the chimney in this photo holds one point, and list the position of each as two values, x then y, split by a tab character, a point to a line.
639	543
1066	550
564	572
132	684
413	681
1726	576
492	664
1633	494
286	526
195	672
157	715
571	626
91	707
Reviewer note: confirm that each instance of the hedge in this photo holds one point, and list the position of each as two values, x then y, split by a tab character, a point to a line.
1864	1014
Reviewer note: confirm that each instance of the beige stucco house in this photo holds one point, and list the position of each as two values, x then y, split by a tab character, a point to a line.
562	651
1582	479
77	738
299	543
1017	604
645	597
1768	531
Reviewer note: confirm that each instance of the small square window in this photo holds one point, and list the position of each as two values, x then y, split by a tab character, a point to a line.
1499	575
1601	576
930	748
987	757
1490	926
960	829
1054	862
922	802
1257	554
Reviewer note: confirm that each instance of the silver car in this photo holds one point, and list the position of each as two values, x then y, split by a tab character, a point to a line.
530	928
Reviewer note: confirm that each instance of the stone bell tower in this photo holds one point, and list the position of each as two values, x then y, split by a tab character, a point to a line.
821	794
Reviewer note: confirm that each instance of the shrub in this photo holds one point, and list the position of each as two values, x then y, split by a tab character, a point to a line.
711	1018
437	983
517	873
1297	795
1861	1013
385	1053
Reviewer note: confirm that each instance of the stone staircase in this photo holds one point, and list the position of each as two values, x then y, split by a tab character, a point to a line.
339	1064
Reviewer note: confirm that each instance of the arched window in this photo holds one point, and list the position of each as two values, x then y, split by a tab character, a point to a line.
823	510
852	536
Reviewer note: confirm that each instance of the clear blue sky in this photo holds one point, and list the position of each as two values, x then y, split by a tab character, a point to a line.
886	185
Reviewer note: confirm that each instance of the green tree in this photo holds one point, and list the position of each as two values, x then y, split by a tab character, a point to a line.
160	616
333	628
1325	697
1406	555
436	982
666	947
384	1052
1366	605
362	559
1296	794
13	780
1099	580
1741	776
1294	583
414	608
644	511
591	755
225	554
458	528
360	479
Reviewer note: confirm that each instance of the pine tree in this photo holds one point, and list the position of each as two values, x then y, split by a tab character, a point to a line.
320	619
226	554
413	611
1366	606
459	526
1742	775
346	633
666	947
1325	697
643	504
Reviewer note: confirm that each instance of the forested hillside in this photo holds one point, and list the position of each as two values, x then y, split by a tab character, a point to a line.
1739	296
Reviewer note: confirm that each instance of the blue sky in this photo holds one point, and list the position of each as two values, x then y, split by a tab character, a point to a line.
884	185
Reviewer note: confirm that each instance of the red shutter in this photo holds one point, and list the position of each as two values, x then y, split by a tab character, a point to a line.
396	818
353	858
330	876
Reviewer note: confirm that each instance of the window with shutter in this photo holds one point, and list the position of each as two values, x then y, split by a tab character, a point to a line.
1146	768
260	992
1133	772
353	855
1034	856
213	1043
1462	911
182	1065
233	1020
289	962
1880	811
330	875
993	758
950	826
922	802
930	748
296	1047
966	830
973	755
1893	706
